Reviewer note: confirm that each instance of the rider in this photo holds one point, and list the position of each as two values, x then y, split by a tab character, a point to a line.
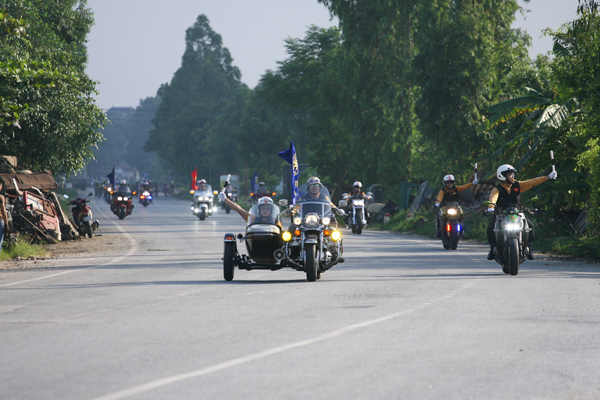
449	193
265	208
508	192
313	185
201	184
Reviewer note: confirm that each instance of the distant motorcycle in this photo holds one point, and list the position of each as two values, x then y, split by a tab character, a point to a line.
146	198
452	229
122	204
202	202
357	210
82	215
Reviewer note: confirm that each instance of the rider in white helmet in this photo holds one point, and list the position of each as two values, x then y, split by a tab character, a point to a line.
506	193
448	193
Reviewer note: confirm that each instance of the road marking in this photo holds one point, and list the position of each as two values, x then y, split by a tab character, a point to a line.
135	390
132	250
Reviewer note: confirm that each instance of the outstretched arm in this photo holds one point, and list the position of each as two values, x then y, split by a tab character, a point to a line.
236	207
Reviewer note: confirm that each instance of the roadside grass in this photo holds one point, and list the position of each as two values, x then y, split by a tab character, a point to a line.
21	248
554	236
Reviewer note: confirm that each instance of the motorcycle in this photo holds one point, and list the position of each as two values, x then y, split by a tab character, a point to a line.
357	213
146	198
313	243
452	227
122	204
511	226
82	216
202	202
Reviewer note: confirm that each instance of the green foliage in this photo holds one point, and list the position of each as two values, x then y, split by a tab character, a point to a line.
22	248
48	118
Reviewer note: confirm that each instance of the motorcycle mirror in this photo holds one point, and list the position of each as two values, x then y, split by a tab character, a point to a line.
370	194
283	203
90	194
342	204
66	196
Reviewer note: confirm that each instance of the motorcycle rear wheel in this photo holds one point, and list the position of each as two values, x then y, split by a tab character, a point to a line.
513	257
312	264
228	256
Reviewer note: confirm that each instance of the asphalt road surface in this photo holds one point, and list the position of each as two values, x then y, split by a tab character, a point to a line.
400	319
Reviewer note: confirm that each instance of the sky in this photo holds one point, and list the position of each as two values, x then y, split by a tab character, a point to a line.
136	45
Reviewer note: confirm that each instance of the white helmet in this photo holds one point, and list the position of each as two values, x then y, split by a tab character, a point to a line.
449	178
265	200
503	170
313	180
357	184
123	182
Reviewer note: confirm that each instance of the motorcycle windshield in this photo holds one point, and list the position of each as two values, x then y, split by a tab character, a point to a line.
263	214
315	199
205	193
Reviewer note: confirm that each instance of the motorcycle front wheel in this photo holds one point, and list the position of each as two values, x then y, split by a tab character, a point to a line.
89	230
202	215
312	264
122	213
513	257
228	256
454	237
359	225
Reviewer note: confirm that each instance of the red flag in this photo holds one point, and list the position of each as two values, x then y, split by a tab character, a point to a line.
194	178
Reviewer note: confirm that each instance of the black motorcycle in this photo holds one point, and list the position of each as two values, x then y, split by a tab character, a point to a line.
510	229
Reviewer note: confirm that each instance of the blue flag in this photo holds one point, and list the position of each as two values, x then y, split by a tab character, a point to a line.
255	183
111	178
290	156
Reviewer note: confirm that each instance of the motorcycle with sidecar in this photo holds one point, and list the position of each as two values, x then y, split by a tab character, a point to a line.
311	244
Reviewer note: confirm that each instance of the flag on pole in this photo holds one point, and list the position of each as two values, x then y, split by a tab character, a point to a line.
290	156
255	183
194	178
111	178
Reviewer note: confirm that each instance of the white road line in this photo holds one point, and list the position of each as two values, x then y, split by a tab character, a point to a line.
135	390
132	250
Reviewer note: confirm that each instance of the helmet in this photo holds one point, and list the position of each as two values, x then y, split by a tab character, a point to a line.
261	184
265	200
313	180
449	178
201	181
357	184
123	182
503	170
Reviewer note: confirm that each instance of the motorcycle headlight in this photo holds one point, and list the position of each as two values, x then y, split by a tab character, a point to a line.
125	198
200	198
119	198
311	220
297	221
513	226
452	211
336	235
326	220
192	207
286	236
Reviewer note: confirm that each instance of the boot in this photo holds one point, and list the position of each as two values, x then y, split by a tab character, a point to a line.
491	253
530	253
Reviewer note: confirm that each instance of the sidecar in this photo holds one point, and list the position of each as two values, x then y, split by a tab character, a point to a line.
263	240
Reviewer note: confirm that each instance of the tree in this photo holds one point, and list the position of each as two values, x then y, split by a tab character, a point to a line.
48	118
198	93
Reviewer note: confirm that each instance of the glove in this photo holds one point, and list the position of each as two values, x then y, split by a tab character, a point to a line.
553	175
222	197
490	210
339	211
437	204
475	181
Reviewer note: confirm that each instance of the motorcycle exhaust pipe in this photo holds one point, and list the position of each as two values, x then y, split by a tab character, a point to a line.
279	254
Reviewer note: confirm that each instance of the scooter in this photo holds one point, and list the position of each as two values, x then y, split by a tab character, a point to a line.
82	215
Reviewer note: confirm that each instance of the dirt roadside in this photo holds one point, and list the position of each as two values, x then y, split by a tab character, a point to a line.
108	241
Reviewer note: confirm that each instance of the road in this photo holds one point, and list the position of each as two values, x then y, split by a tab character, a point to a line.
400	319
